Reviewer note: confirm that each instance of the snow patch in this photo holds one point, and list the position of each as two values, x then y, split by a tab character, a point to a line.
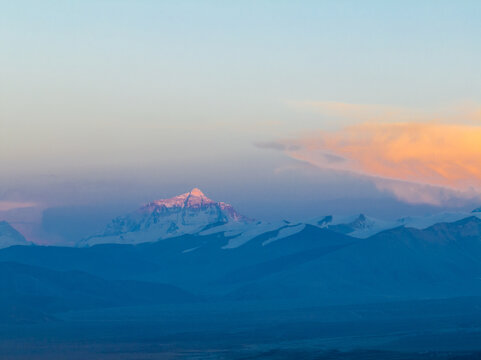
285	232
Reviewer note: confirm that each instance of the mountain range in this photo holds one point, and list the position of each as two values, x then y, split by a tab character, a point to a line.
193	246
194	213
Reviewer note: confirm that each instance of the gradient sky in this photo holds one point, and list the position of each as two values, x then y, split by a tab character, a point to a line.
282	108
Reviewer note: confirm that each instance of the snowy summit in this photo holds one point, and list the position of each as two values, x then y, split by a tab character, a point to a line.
188	213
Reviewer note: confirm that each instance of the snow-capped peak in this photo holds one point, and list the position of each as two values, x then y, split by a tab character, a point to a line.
188	213
196	192
193	198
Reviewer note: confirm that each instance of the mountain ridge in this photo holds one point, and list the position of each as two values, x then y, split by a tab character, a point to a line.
9	236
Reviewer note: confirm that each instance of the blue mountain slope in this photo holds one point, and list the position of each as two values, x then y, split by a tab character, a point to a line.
188	259
10	237
27	292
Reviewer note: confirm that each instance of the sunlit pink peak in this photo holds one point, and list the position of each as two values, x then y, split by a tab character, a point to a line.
195	197
194	200
196	192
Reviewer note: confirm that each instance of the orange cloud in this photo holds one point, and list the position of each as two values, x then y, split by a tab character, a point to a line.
434	154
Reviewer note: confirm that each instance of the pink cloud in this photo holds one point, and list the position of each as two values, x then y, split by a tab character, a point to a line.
11	205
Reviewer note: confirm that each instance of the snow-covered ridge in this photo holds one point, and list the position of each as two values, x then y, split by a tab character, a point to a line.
424	222
360	226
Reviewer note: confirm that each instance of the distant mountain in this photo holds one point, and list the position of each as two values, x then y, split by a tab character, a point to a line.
188	213
423	222
359	226
362	226
9	236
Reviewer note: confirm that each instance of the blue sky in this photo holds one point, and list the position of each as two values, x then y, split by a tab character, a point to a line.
122	101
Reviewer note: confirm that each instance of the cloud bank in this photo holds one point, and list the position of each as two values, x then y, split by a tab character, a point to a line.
419	156
440	155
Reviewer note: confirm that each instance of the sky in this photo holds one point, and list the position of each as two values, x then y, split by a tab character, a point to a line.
286	109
